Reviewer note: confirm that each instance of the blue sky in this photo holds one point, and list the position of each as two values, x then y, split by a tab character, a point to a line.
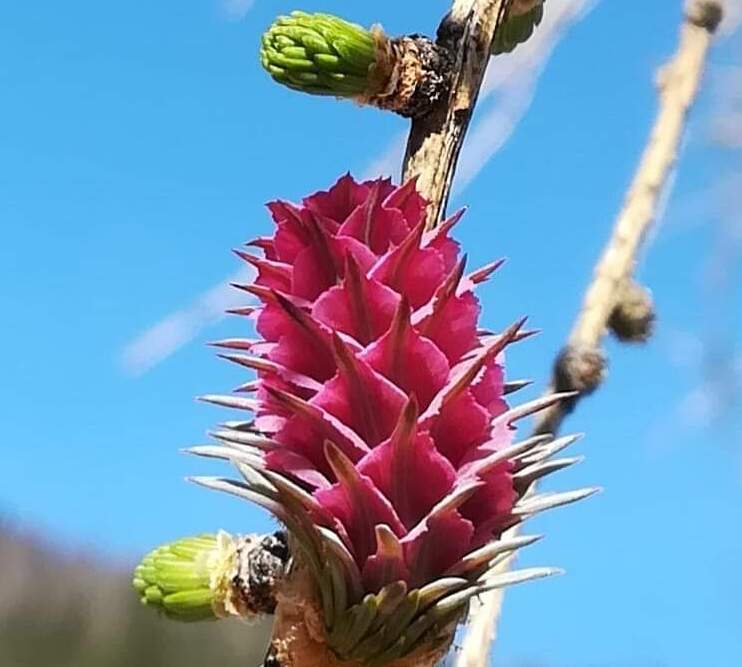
139	142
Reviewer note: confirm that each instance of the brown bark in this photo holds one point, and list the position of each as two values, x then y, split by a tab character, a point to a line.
436	138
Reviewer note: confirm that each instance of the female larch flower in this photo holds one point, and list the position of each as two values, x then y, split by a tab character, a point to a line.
380	435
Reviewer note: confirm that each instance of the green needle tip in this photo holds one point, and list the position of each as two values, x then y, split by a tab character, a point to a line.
321	54
517	29
184	579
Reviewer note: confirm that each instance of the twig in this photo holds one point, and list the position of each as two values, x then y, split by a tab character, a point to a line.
435	139
580	365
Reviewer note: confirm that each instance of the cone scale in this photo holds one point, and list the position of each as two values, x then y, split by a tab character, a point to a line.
377	430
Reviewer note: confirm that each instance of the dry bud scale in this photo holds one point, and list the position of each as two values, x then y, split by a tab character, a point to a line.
379	433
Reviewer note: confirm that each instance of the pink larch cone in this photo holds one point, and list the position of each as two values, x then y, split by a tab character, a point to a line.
381	437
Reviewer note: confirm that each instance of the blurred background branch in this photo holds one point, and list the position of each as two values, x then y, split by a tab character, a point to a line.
580	367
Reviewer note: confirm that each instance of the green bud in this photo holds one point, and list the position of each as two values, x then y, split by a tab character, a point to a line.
324	55
518	28
186	579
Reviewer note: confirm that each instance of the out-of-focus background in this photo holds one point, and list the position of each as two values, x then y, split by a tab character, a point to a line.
138	142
